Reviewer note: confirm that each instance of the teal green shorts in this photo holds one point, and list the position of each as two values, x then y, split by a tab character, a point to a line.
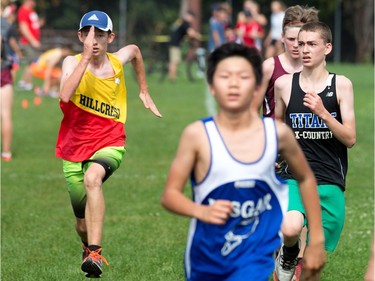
332	203
109	157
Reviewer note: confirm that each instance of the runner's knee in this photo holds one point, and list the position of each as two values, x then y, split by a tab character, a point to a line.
292	224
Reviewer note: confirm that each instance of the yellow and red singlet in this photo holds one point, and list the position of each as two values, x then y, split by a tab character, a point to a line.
95	115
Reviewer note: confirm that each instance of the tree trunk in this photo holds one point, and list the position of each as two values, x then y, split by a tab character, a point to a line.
196	7
363	28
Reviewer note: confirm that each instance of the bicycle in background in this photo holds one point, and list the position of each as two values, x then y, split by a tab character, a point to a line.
195	61
156	59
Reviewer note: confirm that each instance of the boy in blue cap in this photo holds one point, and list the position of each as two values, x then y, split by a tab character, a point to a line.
91	139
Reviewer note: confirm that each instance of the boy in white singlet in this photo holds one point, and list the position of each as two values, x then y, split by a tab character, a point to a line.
238	200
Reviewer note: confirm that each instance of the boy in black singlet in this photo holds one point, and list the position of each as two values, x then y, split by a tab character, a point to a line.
319	108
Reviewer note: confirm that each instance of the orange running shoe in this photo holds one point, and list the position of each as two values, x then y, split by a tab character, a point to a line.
92	264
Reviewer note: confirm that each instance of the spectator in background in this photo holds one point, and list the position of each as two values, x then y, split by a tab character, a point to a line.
229	29
218	22
250	31
48	68
9	24
6	81
273	43
253	7
180	29
29	26
240	27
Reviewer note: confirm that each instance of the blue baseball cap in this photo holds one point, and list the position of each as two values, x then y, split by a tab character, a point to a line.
98	19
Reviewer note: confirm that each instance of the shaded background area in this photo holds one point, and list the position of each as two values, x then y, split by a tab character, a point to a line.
352	22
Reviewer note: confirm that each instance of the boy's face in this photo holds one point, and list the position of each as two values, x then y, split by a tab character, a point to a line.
234	84
101	38
290	40
312	48
222	16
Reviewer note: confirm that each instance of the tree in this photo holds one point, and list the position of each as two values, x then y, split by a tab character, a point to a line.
147	18
195	7
360	16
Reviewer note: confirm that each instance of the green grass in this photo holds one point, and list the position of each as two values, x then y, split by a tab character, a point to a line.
141	240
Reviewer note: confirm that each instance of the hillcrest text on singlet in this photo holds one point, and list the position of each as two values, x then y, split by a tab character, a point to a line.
95	115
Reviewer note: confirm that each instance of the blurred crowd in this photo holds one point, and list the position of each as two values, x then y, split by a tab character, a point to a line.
248	27
21	38
21	44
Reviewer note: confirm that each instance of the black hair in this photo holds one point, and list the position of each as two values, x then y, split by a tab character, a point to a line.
234	50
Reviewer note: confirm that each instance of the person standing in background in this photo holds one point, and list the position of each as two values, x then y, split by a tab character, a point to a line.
218	22
250	31
253	7
273	43
8	46
29	26
180	29
9	17
260	22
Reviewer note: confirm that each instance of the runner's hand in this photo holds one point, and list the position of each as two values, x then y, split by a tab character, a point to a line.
88	44
313	262
149	103
217	213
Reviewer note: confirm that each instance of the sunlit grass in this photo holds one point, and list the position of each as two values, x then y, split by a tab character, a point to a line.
141	240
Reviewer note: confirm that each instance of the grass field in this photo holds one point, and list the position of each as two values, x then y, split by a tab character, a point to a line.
141	240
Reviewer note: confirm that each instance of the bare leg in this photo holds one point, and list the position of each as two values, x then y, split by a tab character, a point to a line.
172	71
27	77
95	206
370	276
81	229
6	117
292	227
303	241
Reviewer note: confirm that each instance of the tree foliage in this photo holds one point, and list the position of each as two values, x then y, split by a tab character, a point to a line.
147	18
